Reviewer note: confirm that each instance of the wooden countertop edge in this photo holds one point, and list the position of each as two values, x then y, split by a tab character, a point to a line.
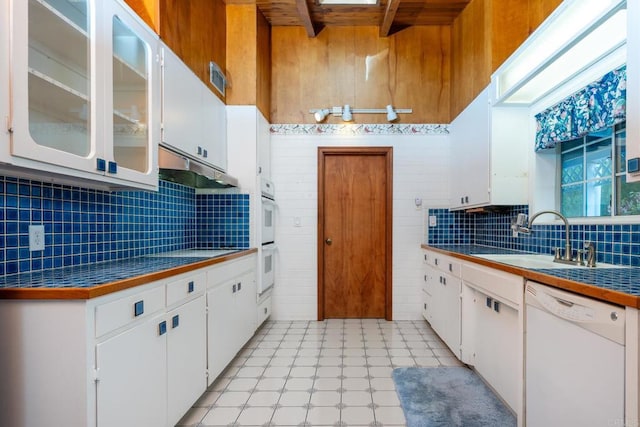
607	295
107	288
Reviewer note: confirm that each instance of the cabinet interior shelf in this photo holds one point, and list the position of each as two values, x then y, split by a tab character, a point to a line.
127	73
57	100
60	36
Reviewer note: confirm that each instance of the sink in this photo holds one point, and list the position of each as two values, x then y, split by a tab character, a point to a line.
536	261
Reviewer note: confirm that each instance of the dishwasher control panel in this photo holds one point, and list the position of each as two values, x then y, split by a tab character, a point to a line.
607	320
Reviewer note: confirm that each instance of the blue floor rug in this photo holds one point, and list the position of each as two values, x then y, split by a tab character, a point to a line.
453	396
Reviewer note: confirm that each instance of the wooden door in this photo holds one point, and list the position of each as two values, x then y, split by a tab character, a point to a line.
354	232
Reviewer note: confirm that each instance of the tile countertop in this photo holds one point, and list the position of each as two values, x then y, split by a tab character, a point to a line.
615	285
90	281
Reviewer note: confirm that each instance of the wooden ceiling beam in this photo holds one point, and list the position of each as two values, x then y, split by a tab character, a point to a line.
389	16
305	16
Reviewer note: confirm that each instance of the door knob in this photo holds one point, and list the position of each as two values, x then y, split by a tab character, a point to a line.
328	241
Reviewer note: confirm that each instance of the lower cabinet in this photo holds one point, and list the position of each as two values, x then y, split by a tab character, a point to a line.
231	299
478	312
492	329
186	357
132	377
441	298
136	357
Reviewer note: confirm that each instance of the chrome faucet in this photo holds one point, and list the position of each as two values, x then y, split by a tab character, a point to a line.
524	226
591	254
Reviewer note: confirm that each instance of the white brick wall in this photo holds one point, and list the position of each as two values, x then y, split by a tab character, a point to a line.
420	169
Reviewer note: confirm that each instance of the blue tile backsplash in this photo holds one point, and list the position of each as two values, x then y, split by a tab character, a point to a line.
84	226
615	243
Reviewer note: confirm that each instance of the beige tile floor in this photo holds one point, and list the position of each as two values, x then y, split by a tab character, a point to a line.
307	373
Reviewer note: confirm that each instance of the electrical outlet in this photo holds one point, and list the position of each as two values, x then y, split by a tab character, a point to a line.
36	238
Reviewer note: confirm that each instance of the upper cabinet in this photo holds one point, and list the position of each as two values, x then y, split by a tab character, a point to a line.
489	155
84	93
193	118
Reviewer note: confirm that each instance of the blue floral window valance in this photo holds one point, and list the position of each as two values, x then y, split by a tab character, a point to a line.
599	105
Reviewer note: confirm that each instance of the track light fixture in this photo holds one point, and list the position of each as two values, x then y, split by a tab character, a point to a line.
391	114
320	115
346	112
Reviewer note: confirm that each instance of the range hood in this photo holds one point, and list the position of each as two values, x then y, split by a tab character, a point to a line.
183	169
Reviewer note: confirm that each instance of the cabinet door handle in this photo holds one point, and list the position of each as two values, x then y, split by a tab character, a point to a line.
175	321
162	328
190	287
138	308
112	168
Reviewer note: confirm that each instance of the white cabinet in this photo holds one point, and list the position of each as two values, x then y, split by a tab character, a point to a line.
442	298
137	357
492	329
84	93
489	155
151	373
231	301
132	376
186	357
193	118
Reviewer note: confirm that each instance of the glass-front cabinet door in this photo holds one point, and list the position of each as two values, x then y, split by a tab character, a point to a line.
53	84
82	90
132	115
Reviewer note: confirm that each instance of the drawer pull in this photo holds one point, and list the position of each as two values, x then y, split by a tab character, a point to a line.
175	321
138	308
190	287
162	328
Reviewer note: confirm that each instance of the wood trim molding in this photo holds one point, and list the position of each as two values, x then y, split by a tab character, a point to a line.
389	16
305	16
387	152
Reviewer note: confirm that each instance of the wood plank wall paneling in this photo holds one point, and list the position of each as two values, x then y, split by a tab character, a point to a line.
196	31
471	67
263	101
353	65
510	23
248	57
148	10
241	54
485	34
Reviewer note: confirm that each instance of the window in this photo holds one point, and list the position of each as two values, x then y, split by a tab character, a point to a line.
592	176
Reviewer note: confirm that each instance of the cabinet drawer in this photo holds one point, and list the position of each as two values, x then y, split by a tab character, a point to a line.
113	315
443	263
185	287
226	271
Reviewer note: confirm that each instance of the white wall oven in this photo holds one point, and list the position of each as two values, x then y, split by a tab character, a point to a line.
267	233
268	215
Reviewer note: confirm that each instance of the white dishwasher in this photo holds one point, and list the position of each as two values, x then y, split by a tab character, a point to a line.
574	359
